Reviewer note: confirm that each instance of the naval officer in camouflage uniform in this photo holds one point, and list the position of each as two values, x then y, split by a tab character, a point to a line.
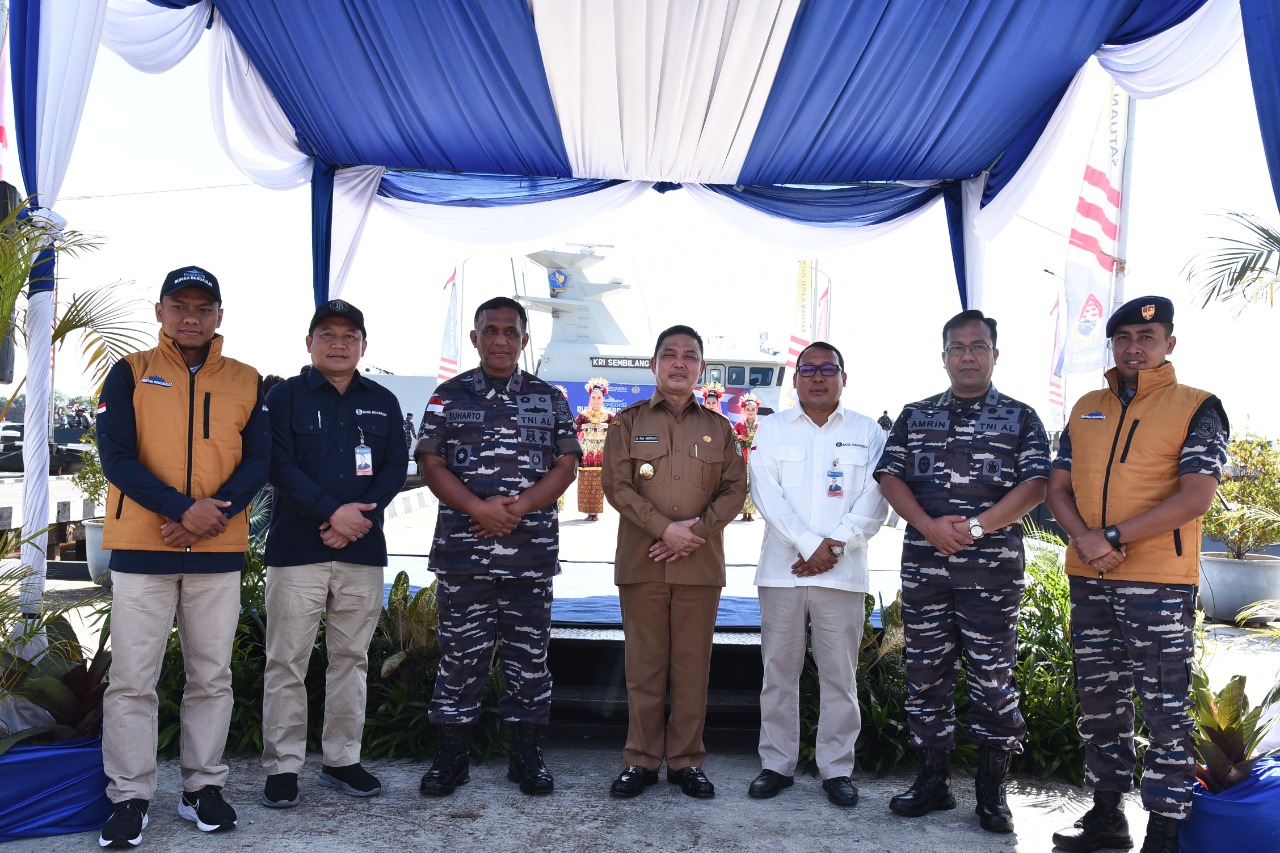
497	446
962	468
1137	466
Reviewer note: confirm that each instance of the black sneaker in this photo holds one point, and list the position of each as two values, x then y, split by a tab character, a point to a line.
124	827
351	779
206	807
281	791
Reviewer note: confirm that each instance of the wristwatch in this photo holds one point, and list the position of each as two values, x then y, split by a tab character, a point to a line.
836	550
1112	534
975	528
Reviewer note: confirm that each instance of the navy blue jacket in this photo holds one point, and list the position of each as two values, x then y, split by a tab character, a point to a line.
314	433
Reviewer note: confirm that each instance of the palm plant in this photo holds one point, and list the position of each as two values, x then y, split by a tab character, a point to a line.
1245	269
103	322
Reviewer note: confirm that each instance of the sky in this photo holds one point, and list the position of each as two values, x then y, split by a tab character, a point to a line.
148	177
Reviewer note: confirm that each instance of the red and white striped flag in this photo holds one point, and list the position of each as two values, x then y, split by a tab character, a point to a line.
1057	399
449	352
1091	250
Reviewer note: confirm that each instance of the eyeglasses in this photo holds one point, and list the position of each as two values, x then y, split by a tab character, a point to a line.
978	350
809	370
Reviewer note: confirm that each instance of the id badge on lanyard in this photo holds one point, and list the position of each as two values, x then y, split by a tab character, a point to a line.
364	457
836	488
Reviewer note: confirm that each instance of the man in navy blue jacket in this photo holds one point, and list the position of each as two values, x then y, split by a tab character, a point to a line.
338	458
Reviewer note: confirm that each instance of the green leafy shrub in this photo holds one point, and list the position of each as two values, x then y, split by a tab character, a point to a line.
1246	517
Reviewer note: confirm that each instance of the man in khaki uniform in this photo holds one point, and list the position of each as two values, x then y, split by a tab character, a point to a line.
672	472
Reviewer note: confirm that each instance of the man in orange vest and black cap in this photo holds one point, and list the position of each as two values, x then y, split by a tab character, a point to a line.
1138	466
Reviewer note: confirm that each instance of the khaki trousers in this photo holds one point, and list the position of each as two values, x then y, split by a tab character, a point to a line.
836	617
668	630
296	596
142	613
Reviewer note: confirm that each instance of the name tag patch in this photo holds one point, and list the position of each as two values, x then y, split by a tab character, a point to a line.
999	419
927	420
464	416
157	380
1093	416
649	438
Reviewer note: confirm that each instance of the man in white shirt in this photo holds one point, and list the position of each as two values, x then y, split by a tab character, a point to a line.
811	479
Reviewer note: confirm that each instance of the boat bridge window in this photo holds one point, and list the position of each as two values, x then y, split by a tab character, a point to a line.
737	376
760	377
714	373
781	370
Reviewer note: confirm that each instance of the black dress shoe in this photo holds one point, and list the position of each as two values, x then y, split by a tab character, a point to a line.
768	784
632	781
692	781
840	791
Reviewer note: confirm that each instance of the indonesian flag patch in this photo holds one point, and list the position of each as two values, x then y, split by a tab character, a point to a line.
436	405
102	407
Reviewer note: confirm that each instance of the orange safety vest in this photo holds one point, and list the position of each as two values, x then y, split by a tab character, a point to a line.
188	436
1124	460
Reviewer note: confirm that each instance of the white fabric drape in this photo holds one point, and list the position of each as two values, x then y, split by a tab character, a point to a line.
987	222
151	38
69	34
515	223
975	247
784	232
1177	56
680	104
354	190
250	126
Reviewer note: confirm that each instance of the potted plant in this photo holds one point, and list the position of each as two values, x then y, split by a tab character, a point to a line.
92	483
1237	792
1245	519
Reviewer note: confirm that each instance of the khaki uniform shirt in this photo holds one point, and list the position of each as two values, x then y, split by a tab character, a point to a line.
697	473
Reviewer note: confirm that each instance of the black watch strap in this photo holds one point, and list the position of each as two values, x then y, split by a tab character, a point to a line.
1112	534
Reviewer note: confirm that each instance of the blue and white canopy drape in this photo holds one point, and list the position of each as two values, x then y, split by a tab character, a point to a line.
808	122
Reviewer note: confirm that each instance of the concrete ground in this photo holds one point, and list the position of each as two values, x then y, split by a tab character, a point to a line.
490	813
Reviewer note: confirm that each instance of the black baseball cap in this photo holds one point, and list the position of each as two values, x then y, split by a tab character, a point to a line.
191	277
1144	309
338	308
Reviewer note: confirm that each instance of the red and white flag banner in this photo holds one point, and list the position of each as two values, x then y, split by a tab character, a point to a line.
1091	250
449	347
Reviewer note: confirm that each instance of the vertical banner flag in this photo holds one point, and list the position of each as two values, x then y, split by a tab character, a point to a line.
449	352
802	330
822	312
1091	250
1057	398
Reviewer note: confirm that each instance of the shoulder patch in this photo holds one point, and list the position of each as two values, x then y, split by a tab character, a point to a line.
1093	416
153	379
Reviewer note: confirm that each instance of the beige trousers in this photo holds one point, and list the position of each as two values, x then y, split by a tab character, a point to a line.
836	617
351	594
142	613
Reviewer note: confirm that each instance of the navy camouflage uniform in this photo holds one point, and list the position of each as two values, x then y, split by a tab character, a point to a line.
1126	634
498	437
960	458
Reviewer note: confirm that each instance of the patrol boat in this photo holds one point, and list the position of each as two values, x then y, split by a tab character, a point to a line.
587	341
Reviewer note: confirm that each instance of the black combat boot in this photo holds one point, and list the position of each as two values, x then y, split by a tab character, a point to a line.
451	767
525	765
1103	826
993	811
1162	834
932	789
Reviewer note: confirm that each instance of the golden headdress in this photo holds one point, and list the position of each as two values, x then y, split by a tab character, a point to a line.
748	398
597	382
713	389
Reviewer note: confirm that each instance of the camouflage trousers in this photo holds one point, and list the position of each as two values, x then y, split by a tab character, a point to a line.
475	613
1135	634
941	624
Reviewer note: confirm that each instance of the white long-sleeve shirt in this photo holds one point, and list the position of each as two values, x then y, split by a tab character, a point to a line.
791	483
